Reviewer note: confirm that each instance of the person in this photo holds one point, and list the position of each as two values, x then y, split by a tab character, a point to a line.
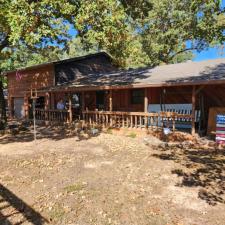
60	105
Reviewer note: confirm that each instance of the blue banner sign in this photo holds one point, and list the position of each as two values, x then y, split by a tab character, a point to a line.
220	128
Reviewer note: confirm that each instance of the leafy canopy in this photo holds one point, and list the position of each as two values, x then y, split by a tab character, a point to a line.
135	33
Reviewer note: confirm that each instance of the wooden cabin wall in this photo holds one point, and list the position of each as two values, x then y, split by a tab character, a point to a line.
122	101
173	95
20	83
33	78
214	95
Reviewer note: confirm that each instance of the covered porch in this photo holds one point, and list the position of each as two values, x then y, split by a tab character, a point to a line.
135	108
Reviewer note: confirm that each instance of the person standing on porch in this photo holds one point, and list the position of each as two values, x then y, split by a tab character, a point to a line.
60	105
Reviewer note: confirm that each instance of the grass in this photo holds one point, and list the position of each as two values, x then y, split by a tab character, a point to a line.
57	212
74	188
132	135
109	131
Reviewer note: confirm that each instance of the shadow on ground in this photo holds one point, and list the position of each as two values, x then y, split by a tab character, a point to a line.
200	168
13	205
51	132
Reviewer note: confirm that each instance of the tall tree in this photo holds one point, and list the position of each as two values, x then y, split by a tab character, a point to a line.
135	33
151	31
173	28
34	25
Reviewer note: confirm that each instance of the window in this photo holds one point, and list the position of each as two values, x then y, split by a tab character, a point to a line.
137	96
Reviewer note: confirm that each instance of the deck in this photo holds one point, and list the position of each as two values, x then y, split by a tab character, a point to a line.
116	119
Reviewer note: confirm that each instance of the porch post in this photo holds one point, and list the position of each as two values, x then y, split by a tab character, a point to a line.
10	105
47	106
146	100
47	100
82	108
82	101
26	107
52	100
110	101
193	99
70	109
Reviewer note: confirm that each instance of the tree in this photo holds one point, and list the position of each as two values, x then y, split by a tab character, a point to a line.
173	28
135	33
151	31
33	26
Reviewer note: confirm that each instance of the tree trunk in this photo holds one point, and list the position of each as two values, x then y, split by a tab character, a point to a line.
2	108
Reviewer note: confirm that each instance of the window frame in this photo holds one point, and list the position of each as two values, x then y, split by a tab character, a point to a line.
137	96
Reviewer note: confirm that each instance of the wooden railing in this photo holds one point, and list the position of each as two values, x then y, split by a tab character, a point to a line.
52	115
134	119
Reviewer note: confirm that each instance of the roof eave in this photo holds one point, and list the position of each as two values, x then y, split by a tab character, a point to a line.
141	85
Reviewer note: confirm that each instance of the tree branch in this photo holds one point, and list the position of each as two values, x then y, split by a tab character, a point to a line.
181	51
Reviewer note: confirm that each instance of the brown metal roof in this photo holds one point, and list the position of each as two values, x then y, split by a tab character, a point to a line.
189	73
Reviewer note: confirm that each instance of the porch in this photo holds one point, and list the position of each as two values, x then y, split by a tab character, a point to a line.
135	108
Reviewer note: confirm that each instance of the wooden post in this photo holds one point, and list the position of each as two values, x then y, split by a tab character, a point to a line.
82	101
110	101
47	101
193	99
70	109
146	107
146	100
26	107
83	106
52	100
47	106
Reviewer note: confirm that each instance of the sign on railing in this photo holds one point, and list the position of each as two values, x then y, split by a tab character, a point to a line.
220	129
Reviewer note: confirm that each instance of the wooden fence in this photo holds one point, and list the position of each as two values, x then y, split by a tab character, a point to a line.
52	115
134	119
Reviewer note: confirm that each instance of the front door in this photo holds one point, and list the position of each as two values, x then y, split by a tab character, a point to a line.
18	107
100	100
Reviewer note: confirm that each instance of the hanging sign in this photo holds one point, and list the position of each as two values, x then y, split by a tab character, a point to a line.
220	128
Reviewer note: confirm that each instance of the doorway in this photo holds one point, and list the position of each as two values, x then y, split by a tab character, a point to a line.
100	100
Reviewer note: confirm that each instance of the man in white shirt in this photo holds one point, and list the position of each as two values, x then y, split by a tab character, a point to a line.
60	105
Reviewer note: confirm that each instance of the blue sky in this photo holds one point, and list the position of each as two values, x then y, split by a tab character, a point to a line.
211	53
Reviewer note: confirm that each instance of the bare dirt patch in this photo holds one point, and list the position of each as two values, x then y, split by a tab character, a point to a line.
65	178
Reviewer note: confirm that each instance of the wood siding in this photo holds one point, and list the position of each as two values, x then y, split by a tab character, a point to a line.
20	84
34	78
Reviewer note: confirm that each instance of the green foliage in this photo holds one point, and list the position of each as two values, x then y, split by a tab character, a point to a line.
132	135
170	25
150	32
74	188
135	33
57	212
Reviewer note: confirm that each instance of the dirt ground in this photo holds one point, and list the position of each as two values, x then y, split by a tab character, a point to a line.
107	179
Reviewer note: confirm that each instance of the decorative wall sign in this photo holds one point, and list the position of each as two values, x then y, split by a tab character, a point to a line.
220	128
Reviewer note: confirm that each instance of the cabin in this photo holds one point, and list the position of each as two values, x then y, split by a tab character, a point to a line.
185	96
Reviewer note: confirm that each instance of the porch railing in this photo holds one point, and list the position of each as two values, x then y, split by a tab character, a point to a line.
134	119
52	115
